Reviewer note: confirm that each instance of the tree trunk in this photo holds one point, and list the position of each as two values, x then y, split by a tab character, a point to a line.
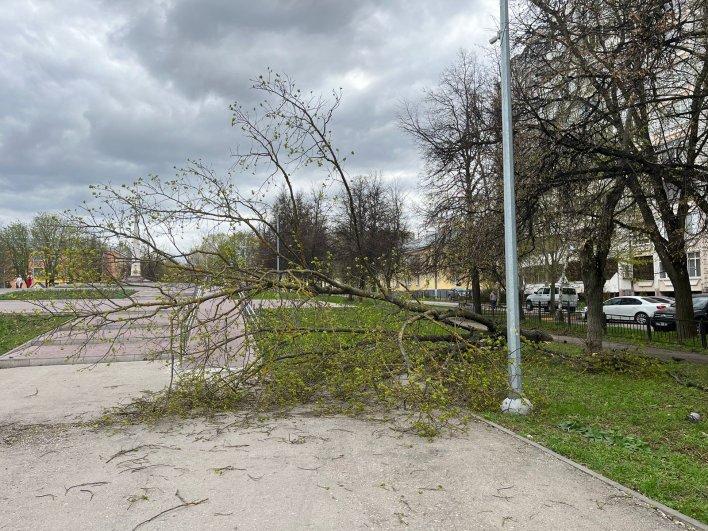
677	270
592	264
685	325
671	248
476	291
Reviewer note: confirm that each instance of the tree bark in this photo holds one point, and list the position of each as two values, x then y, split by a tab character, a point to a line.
677	271
593	262
476	291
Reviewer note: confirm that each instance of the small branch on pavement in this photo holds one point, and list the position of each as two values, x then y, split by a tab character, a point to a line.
180	506
90	484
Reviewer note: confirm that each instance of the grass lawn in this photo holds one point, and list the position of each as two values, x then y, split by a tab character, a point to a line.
16	328
629	427
65	293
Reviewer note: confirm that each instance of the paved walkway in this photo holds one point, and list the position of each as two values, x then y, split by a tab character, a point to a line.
126	332
298	472
110	339
215	332
654	352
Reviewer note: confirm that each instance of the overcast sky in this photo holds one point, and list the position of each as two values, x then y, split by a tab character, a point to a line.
107	91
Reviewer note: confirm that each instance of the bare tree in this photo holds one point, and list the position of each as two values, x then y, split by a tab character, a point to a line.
378	217
456	127
624	83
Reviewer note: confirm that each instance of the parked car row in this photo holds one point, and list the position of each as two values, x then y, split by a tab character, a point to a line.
637	309
665	319
659	311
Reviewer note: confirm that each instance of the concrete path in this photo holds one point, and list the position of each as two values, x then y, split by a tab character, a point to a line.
95	340
216	331
653	352
300	472
127	333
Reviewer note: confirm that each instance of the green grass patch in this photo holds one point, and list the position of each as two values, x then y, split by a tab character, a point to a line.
66	294
626	421
18	328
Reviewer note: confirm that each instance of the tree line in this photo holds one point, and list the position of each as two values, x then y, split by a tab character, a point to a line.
60	249
610	134
610	113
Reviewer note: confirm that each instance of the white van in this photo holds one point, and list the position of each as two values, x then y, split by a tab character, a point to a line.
565	297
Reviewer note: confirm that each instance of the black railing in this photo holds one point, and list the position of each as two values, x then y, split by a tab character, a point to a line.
619	327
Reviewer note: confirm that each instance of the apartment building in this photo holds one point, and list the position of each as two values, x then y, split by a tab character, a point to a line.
644	274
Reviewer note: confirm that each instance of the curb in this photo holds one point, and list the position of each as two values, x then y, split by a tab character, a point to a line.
667	512
69	360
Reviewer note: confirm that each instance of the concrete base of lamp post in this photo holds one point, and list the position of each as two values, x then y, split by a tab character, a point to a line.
516	406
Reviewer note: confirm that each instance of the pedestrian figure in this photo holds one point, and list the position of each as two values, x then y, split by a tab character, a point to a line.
18	281
30	280
493	300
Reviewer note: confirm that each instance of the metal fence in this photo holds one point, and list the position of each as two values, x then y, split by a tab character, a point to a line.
615	327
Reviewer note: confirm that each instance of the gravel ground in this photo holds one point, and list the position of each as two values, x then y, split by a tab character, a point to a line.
301	472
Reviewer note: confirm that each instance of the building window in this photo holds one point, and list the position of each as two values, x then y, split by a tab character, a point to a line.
662	271
693	220
644	268
694	264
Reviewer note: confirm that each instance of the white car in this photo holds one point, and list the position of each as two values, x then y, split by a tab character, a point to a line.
632	308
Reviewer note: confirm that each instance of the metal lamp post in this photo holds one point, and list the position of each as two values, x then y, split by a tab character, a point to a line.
514	403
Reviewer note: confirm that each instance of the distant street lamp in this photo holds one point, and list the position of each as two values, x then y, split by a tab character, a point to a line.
515	402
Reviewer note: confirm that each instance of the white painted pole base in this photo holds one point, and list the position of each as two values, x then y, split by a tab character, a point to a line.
516	406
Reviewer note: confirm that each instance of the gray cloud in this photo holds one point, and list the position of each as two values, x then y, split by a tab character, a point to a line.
92	92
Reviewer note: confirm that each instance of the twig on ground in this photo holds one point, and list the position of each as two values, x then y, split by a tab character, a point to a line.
139	447
220	470
180	506
90	484
688	384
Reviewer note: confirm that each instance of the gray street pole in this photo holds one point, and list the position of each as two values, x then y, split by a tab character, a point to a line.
514	403
277	243
277	247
